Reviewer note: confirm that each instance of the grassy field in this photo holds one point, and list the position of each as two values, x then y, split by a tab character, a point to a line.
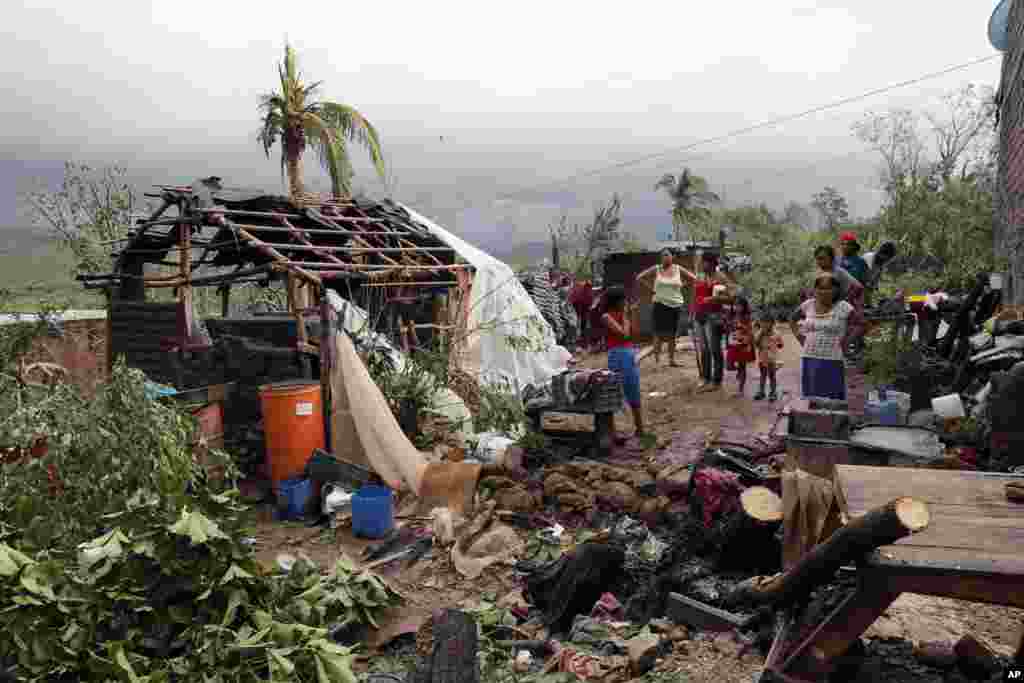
35	270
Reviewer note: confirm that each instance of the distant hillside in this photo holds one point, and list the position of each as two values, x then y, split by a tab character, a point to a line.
33	269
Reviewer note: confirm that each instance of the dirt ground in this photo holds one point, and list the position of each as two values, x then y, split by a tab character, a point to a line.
674	406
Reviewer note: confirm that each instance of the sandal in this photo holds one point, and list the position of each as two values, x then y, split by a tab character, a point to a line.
759	396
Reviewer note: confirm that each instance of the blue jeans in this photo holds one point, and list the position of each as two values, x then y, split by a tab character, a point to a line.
622	359
712	359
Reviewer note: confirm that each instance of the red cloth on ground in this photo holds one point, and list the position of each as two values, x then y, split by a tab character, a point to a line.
717	490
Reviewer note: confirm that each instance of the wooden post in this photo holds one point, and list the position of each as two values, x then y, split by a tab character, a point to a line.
132	287
225	299
328	322
185	272
110	333
294	305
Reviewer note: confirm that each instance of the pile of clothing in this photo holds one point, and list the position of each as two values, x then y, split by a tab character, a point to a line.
568	388
555	308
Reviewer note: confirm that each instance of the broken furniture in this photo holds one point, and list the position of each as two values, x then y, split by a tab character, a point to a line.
969	551
606	400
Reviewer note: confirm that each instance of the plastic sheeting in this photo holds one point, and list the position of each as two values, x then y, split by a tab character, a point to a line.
921	445
501	308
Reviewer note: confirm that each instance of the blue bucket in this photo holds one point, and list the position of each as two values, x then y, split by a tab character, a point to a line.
373	514
293	494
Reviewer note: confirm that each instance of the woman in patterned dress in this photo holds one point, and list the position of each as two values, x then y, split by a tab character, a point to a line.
823	326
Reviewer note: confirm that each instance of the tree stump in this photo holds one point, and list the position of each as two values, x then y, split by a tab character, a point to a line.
746	538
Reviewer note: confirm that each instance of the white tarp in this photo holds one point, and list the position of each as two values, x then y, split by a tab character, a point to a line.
501	308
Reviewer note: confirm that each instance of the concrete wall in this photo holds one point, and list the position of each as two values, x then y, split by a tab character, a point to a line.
80	348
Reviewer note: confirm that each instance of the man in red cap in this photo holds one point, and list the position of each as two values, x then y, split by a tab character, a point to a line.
852	262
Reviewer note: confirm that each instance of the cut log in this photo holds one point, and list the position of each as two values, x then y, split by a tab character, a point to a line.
939	654
882	526
453	652
746	538
760	504
975	658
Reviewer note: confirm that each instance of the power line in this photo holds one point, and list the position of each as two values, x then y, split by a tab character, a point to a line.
748	129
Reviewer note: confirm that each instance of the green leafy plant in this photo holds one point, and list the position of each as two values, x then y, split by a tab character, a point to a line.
500	410
103	450
164	596
883	357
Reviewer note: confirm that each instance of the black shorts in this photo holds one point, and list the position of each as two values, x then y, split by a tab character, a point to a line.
666	320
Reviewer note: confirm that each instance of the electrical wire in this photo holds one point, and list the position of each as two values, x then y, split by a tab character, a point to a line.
741	131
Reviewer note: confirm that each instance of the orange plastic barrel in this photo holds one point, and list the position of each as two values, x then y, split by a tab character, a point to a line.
293	426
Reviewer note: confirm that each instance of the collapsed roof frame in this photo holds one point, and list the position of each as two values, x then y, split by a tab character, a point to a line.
311	242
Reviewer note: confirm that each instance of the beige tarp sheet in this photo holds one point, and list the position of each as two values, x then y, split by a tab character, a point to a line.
364	431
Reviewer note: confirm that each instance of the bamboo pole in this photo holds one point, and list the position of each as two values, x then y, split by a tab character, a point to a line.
340	232
353	250
278	256
414	283
271	214
372	266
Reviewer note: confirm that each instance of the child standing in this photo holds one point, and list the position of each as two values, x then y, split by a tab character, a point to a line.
740	350
768	344
618	321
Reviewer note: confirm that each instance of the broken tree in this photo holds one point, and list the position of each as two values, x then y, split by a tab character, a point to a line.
882	526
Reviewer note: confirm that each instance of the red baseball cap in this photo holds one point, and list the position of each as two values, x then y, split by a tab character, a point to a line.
848	237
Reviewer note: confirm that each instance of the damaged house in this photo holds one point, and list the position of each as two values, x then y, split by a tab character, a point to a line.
423	285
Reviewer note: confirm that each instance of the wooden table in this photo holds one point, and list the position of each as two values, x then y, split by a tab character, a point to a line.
973	549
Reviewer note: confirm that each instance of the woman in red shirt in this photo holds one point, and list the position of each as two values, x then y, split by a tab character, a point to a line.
708	320
618	321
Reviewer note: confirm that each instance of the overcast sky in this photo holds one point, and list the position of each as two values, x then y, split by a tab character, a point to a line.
523	93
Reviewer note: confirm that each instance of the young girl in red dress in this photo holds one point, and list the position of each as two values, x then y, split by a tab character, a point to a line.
740	350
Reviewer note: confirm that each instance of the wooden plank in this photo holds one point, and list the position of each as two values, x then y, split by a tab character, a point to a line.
970	538
872	486
684	610
956	580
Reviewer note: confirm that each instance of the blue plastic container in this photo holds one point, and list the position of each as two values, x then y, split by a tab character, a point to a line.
373	514
884	411
293	495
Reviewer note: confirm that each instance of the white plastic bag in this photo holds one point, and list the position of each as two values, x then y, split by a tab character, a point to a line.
490	447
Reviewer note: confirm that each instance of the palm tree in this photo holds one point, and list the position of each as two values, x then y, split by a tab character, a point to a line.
299	119
691	199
